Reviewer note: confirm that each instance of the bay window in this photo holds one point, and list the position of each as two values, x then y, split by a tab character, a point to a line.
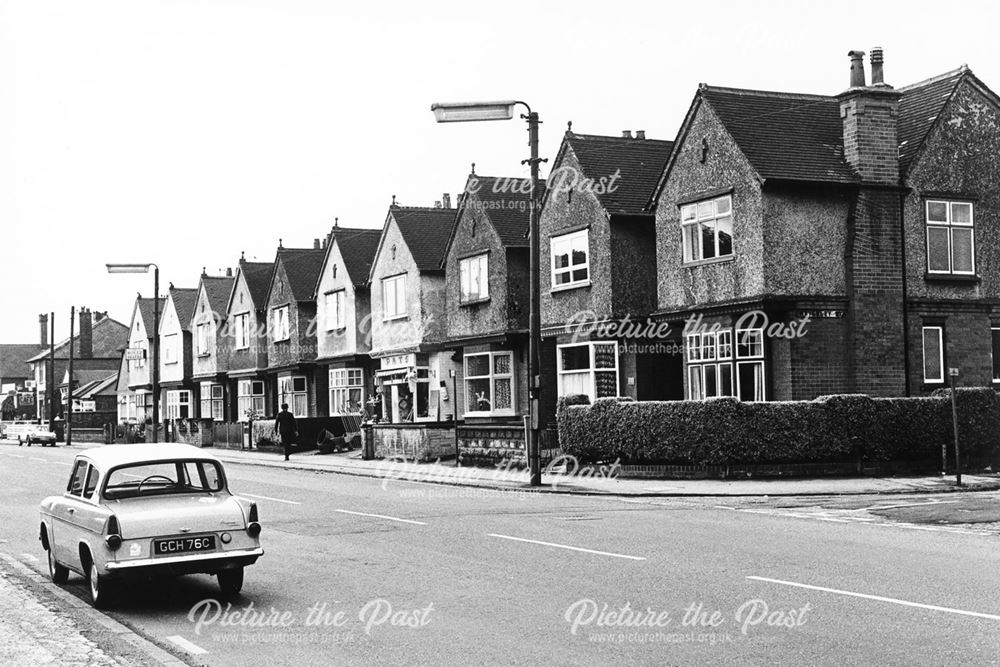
178	404
212	401
294	392
713	371
489	383
346	391
250	397
588	368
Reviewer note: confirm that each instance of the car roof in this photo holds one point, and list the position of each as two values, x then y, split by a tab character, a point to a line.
110	456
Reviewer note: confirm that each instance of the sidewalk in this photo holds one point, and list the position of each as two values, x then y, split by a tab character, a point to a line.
350	463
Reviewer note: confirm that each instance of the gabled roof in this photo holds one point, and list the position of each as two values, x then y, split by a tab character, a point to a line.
96	387
86	376
425	231
14	359
146	308
637	163
358	247
506	202
302	268
185	299
217	290
785	136
108	337
257	276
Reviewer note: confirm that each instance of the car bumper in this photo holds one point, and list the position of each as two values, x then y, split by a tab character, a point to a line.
188	563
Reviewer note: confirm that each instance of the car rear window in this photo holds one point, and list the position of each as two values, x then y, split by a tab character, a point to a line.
168	477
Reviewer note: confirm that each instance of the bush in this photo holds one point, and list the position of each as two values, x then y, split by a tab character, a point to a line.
724	431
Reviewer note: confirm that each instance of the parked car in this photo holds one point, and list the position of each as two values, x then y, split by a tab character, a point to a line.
29	433
148	510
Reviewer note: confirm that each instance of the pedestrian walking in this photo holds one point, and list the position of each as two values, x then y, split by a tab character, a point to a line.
287	430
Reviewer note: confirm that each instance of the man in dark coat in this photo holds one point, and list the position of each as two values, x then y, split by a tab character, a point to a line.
284	424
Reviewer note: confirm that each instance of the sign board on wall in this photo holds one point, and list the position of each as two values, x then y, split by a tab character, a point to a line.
135	354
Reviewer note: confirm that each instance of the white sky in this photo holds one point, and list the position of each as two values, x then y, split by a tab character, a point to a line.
185	131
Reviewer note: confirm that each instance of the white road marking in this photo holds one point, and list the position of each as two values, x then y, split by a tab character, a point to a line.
892	507
277	500
186	645
880	598
30	558
35	458
16	456
382	516
564	546
62	463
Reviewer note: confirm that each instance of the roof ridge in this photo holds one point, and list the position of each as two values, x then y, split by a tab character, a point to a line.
767	93
935	79
421	208
633	140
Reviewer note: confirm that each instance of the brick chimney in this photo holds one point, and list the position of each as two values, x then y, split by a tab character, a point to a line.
229	272
446	200
86	336
640	134
43	330
870	115
316	245
626	134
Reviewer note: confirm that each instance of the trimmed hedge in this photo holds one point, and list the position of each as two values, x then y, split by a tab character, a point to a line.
723	431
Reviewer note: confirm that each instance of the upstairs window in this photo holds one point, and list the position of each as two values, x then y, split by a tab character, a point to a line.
951	246
202	336
474	278
170	344
394	297
335	310
281	324
242	333
571	260
707	229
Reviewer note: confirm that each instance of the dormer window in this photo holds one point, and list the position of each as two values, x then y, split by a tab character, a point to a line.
571	260
281	324
951	246
474	278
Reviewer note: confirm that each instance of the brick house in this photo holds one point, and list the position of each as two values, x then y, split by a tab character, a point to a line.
598	270
135	382
210	344
812	244
16	379
245	349
343	332
178	391
97	344
291	332
408	314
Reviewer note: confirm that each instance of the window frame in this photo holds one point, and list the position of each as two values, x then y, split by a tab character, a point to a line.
242	333
250	400
995	353
950	226
281	334
201	339
174	404
721	356
212	406
591	370
398	283
481	262
291	395
493	378
342	382
170	355
570	268
940	345
336	303
693	226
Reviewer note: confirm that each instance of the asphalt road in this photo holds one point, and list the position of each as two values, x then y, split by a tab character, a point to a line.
411	573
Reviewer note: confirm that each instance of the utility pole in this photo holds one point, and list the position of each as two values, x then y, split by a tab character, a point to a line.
534	321
69	388
952	374
52	367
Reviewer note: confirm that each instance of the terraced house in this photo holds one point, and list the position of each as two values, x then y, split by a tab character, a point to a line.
211	342
178	391
598	270
135	379
291	332
344	328
245	343
815	244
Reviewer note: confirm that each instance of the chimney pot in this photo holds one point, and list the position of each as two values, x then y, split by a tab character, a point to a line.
43	329
857	69
229	272
437	204
640	134
626	134
85	339
316	244
876	60
446	200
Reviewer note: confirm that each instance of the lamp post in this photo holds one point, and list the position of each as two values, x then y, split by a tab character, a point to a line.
144	268
462	112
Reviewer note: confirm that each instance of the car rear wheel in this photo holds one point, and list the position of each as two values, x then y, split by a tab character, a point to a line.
58	573
29	441
231	581
100	590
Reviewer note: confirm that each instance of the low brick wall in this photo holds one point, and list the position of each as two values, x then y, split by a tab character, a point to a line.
490	444
89	435
197	432
415	442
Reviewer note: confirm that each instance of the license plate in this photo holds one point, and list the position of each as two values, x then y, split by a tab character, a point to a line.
179	545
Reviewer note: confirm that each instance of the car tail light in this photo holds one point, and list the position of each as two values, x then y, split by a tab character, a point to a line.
253	513
114	537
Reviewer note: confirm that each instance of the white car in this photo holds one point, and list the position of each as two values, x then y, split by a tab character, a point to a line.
148	509
29	433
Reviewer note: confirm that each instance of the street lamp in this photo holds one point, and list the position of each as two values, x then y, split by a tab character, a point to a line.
462	112
144	268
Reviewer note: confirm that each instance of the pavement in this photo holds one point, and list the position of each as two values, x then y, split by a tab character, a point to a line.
606	483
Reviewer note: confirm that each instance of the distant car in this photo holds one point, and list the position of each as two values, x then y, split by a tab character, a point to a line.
148	510
29	433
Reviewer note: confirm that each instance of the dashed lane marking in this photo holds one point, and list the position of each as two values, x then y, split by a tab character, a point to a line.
186	645
30	558
382	516
277	500
565	546
905	603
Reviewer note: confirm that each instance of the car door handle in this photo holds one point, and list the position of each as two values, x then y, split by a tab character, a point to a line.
71	510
